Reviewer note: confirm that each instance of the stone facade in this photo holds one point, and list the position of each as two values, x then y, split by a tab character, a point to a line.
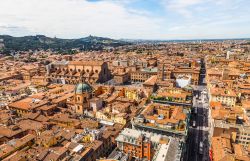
69	72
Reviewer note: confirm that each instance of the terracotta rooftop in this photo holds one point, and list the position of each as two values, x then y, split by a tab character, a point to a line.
86	63
223	92
151	81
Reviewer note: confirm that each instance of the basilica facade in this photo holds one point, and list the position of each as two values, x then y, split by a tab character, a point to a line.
69	72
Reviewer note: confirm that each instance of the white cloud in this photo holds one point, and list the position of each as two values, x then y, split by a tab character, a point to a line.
76	18
187	8
182	6
120	19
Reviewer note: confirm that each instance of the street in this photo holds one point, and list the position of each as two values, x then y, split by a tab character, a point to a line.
197	141
198	133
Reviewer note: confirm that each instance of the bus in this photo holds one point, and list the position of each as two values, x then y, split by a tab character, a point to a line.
201	148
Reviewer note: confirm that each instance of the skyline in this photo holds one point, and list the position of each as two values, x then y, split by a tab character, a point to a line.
128	19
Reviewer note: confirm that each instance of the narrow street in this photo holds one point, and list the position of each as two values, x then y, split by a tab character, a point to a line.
197	142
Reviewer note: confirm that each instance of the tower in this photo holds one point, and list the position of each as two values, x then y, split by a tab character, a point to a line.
83	92
160	72
163	73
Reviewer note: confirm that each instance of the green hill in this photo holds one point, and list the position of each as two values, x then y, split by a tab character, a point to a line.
41	42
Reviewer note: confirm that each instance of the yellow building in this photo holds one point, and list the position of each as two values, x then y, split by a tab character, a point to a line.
132	93
120	118
88	138
48	139
225	96
175	95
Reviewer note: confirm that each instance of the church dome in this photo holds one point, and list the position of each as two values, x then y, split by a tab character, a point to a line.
83	87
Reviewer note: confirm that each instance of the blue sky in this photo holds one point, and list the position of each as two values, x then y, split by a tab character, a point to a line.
134	19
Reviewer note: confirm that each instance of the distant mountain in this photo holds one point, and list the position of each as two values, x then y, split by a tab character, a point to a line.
41	42
152	41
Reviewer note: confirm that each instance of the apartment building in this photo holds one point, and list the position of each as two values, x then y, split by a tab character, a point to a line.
225	96
146	146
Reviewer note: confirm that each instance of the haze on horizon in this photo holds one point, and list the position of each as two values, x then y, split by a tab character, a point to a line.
130	19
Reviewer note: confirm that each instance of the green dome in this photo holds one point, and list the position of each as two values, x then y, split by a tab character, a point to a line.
82	87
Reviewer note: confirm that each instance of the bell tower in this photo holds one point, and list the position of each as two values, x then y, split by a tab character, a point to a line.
83	92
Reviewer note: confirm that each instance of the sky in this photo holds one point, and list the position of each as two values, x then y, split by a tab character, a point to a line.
129	19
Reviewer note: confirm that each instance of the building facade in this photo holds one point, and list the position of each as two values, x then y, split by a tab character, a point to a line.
69	72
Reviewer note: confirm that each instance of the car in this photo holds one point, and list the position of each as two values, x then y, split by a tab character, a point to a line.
194	124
